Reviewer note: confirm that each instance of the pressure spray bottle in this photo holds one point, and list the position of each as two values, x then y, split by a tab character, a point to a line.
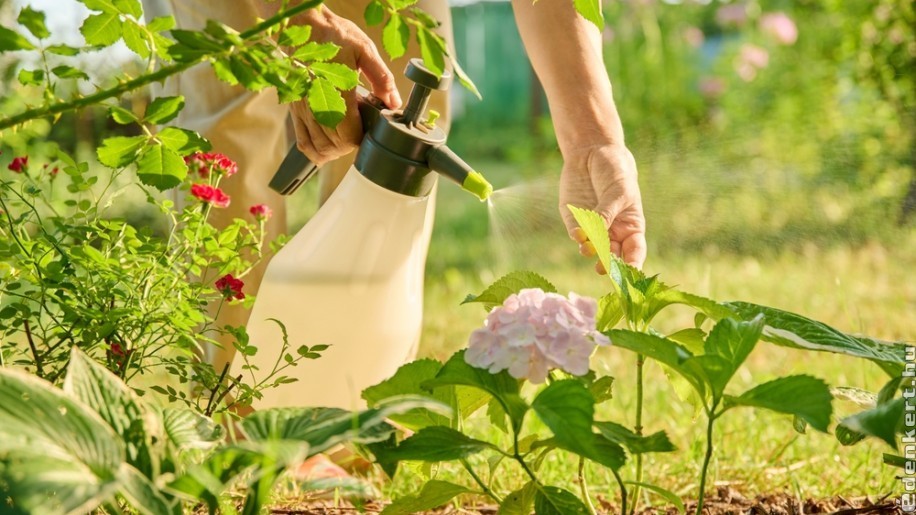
352	277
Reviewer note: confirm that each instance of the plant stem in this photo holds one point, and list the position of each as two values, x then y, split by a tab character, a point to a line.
623	491
583	487
28	335
640	362
711	418
483	486
215	389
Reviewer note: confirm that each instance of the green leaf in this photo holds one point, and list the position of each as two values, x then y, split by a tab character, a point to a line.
122	116
601	389
662	350
520	501
56	454
64	50
101	29
509	284
427	20
435	493
879	422
313	51
711	308
188	429
374	13
395	36
795	331
161	167
135	39
323	428
68	72
568	409
636	444
295	35
803	396
31	77
846	436
551	500
130	7
595	229
163	109
895	461
326	103
407	381
340	75
503	387
223	71
161	23
464	79
34	21
182	141
11	40
142	494
118	405
436	443
100	5
591	11
432	49
401	4
692	339
120	151
610	311
733	341
668	495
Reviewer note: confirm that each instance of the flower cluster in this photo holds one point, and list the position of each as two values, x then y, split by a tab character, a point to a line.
230	287
533	332
211	195
205	163
780	27
260	212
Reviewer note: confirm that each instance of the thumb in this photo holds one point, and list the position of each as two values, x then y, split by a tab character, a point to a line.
380	78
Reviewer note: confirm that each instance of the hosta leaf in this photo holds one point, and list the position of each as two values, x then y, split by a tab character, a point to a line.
880	422
50	442
636	444
803	396
118	406
326	103
374	13
395	36
792	330
11	40
187	429
550	500
101	29
163	109
514	282
591	11
161	167
568	409
120	151
340	75
434	493
432	50
34	21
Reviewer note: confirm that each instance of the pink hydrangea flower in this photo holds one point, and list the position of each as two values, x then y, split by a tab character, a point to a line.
205	163
211	195
260	212
780	27
750	59
534	332
733	14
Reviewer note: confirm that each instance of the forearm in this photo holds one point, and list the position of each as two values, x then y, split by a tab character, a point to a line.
565	50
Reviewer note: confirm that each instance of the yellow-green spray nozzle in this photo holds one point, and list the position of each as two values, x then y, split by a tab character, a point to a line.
476	184
443	160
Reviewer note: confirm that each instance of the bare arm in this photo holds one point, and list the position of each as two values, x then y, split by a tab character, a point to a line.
599	172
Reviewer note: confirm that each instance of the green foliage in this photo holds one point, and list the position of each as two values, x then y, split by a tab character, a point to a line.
433	494
513	282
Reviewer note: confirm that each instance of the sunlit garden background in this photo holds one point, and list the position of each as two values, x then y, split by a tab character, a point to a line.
776	145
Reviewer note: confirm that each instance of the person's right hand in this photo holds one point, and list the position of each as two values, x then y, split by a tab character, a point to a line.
318	142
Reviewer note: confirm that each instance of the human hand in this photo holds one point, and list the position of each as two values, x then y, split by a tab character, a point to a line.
604	179
321	143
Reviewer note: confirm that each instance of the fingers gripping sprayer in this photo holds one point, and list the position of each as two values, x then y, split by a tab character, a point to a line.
352	278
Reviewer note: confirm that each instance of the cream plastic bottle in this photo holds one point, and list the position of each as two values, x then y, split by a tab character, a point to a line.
352	277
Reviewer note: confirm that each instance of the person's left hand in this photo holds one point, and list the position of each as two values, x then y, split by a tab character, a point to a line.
604	179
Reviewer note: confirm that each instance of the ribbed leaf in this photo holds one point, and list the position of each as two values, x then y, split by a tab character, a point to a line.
509	284
803	396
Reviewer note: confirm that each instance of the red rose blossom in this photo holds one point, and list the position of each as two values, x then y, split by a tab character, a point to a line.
210	195
19	164
260	212
230	287
206	162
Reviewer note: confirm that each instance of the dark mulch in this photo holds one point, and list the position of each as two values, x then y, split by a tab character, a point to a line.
727	501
